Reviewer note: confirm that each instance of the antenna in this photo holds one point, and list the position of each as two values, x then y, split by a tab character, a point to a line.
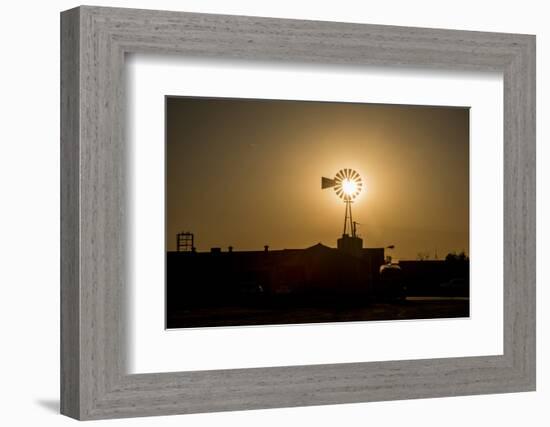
347	184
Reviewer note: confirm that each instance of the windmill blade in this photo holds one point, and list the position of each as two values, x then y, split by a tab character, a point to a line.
327	182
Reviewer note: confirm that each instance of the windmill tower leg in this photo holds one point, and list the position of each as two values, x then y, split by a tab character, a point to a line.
348	218
345	220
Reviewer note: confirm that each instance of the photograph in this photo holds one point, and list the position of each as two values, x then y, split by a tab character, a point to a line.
295	212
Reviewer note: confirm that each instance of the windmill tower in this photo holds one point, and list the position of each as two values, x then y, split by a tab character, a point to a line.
347	185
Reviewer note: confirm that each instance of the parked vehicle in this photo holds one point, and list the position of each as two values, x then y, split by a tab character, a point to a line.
391	286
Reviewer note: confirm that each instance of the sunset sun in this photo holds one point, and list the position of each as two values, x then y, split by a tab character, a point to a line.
349	187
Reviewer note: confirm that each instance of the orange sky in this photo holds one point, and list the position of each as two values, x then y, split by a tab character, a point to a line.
247	173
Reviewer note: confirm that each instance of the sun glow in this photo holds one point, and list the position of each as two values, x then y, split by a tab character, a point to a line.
347	184
349	187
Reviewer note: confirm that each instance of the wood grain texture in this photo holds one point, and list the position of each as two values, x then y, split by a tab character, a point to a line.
94	267
70	259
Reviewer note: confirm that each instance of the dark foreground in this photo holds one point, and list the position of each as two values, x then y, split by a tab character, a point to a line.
410	308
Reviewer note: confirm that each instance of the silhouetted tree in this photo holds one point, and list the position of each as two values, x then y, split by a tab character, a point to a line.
454	257
422	256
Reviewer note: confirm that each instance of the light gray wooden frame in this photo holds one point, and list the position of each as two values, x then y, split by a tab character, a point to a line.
94	382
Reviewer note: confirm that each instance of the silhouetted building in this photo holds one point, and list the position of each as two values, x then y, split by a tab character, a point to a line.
351	245
436	277
315	272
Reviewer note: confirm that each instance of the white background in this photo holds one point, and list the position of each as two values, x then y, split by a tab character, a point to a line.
152	349
29	218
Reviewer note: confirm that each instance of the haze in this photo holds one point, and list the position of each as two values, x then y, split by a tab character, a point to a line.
246	173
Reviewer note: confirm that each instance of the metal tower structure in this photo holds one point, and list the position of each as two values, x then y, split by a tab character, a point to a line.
185	242
347	185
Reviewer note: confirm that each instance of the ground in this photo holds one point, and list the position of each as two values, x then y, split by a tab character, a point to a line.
411	308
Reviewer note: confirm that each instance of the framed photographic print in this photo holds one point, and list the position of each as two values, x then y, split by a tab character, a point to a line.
265	245
262	213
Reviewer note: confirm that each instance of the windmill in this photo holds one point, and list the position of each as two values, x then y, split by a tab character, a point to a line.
347	185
